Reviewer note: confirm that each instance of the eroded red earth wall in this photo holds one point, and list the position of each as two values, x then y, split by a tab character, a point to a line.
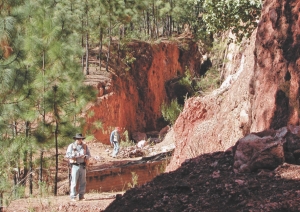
131	97
264	95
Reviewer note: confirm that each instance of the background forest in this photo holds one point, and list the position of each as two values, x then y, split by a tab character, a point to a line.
44	51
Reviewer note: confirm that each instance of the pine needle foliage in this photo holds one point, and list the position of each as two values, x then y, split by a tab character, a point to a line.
42	90
42	47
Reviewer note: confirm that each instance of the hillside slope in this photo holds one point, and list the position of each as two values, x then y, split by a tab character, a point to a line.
208	183
262	93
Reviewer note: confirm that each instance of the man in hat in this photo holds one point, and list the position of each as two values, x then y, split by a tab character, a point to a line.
115	140
78	153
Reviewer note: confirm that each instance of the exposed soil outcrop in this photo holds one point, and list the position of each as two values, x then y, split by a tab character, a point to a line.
262	93
260	96
276	86
208	183
205	183
251	176
216	121
131	95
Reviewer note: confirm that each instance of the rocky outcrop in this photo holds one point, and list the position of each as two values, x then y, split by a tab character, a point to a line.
216	121
263	93
276	80
131	95
255	153
267	149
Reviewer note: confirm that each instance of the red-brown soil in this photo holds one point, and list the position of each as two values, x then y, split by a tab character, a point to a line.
95	200
205	183
208	183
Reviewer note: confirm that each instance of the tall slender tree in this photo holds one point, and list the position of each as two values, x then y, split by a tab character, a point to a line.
42	43
53	53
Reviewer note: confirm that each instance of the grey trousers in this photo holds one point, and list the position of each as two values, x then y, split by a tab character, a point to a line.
78	175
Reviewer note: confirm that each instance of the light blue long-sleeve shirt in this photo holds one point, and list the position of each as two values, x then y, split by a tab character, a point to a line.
75	150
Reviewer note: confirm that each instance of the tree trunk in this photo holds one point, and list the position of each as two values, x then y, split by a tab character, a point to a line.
120	37
30	159
148	23
56	158
82	44
109	42
156	24
41	171
31	170
44	89
1	201
100	52
15	183
87	39
15	129
100	43
87	65
56	116
171	19
153	21
87	54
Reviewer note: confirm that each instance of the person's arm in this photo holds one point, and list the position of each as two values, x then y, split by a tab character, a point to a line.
111	137
69	152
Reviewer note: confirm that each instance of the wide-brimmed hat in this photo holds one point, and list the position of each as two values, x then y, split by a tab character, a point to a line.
78	135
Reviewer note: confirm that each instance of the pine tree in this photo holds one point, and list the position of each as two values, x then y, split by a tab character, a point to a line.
52	53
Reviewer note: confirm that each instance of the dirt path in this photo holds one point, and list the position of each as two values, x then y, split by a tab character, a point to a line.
94	202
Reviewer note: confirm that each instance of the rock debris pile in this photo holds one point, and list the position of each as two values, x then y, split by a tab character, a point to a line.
208	183
223	181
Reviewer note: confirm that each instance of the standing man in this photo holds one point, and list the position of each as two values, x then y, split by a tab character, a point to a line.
115	140
78	153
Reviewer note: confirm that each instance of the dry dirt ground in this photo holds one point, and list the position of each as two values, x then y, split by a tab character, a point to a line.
95	201
208	183
205	183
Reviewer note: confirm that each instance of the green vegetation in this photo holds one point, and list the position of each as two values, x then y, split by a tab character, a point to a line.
134	180
240	16
209	82
125	141
187	80
44	51
171	111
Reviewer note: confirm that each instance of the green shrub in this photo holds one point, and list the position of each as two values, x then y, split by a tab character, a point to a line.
209	82
134	180
171	112
186	80
127	142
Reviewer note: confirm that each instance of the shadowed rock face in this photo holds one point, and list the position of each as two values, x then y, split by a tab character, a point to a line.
267	149
276	100
262	94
